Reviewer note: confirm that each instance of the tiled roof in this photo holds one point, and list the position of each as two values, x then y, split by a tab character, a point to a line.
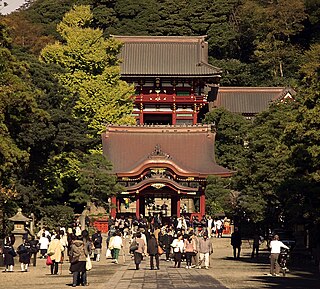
250	100
165	56
190	149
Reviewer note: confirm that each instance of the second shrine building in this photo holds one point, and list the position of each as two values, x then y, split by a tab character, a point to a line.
164	160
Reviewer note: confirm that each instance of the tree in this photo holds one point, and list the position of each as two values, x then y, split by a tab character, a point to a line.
91	71
272	28
95	181
231	137
219	196
267	165
303	138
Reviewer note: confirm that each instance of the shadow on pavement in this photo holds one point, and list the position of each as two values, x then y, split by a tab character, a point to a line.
300	276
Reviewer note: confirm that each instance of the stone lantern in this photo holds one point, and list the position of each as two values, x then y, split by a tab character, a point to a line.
19	229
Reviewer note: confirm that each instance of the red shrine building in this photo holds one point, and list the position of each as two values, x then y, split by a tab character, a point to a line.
163	162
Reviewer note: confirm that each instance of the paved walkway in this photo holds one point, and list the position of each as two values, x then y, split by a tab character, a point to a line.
224	273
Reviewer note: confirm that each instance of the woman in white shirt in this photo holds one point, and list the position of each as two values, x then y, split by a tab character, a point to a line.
275	246
116	244
44	244
178	247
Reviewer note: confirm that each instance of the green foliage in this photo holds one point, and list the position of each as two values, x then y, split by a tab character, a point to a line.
268	164
95	181
59	215
231	135
219	197
91	71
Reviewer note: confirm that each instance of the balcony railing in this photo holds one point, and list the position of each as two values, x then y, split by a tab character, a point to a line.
165	98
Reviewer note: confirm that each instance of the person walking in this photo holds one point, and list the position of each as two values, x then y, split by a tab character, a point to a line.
8	255
78	256
97	243
189	250
178	247
140	251
275	246
255	245
195	257
44	244
116	245
153	252
34	250
205	250
236	243
24	255
166	241
55	250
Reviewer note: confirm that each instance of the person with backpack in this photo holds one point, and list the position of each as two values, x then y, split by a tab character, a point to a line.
80	251
24	251
97	243
8	255
140	250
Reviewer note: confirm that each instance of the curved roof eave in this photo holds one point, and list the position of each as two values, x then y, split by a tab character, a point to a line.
166	182
174	167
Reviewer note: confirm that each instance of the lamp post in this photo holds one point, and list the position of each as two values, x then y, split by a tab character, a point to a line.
19	229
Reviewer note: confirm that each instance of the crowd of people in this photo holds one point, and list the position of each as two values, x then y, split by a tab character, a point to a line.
177	240
55	246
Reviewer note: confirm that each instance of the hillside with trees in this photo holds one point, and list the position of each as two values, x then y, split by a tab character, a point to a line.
57	60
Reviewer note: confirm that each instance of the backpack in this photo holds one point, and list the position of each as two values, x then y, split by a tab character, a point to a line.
134	246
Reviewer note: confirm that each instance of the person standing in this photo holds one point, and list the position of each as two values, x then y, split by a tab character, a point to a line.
8	253
166	241
255	245
209	226
97	243
205	250
55	252
189	249
178	247
78	256
116	245
275	246
34	250
24	255
153	251
140	251
236	243
44	244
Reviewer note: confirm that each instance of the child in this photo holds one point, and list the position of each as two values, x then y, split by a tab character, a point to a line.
24	251
9	254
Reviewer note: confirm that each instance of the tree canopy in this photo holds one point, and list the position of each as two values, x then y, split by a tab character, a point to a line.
91	70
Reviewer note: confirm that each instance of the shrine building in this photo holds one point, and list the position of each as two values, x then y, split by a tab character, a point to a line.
163	161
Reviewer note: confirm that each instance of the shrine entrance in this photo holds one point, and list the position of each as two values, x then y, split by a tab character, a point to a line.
160	199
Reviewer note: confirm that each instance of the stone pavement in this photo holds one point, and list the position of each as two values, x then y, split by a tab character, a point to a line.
224	273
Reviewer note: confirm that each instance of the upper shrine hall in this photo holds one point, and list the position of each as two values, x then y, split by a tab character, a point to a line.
164	160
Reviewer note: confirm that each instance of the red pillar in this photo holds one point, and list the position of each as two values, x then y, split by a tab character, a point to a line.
141	117
195	118
174	117
178	206
195	114
202	203
113	212
137	206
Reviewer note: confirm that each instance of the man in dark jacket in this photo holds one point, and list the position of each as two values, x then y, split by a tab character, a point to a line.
165	242
153	251
236	243
24	255
34	250
97	242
